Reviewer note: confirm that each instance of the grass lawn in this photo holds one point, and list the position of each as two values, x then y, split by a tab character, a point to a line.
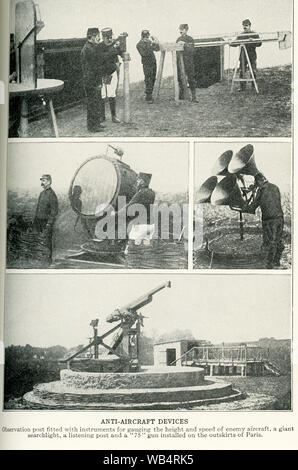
217	113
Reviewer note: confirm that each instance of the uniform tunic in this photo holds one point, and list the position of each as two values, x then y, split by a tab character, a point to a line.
188	58
146	49
46	210
145	197
92	66
251	52
251	48
269	201
109	68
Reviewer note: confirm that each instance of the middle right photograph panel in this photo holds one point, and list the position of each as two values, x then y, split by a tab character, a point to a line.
242	205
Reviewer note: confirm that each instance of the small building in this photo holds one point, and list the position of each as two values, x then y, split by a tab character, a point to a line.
171	353
234	359
208	61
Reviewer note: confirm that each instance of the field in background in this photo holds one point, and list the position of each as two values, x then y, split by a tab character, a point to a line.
217	113
25	366
25	250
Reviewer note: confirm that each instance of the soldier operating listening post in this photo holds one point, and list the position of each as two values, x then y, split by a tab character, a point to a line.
267	197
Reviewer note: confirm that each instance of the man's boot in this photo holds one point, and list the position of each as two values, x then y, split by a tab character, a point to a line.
270	256
278	254
181	94
103	111
112	102
193	96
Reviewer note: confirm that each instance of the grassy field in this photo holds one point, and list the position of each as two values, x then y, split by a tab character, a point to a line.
221	229
217	113
27	250
277	387
25	366
260	393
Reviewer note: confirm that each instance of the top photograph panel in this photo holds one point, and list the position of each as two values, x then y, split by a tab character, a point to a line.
140	68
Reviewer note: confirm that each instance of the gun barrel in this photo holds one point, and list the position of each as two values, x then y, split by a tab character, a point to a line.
145	299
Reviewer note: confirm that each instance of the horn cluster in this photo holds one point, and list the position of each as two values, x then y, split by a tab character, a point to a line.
231	167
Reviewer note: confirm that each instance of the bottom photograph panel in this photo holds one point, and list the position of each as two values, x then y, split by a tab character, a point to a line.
150	342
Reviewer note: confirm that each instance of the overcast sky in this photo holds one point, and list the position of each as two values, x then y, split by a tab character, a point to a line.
168	163
71	18
272	159
45	309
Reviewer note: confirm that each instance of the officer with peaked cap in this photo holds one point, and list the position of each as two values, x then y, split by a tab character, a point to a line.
110	51
45	214
47	206
146	47
92	66
188	58
247	34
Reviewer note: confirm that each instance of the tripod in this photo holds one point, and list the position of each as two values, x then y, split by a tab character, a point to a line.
252	78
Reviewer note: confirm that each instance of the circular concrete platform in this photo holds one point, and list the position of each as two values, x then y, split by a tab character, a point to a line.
42	398
147	377
152	388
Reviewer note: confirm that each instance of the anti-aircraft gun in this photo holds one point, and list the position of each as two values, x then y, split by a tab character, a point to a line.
124	350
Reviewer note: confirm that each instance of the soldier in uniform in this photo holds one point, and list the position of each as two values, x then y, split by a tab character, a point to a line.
251	51
110	50
144	194
146	47
145	197
267	197
188	58
47	206
46	213
92	68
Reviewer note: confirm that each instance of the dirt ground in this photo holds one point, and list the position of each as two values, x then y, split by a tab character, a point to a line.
217	113
261	393
221	229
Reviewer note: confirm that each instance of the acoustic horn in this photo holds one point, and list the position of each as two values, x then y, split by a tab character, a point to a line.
206	190
227	193
221	165
243	162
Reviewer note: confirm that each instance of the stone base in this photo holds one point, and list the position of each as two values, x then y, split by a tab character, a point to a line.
41	398
147	377
153	388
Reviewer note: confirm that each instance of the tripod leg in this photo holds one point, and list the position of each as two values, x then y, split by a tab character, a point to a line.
241	225
159	74
175	72
235	72
183	75
53	117
251	70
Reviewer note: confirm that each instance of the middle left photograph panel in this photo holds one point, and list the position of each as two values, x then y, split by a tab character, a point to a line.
109	205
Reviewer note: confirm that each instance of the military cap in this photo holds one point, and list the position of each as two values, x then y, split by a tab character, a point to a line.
145	33
107	32
92	32
247	21
183	26
46	177
146	177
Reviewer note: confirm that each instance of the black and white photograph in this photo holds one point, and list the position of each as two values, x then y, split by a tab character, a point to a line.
242	205
140	343
159	68
147	232
97	206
